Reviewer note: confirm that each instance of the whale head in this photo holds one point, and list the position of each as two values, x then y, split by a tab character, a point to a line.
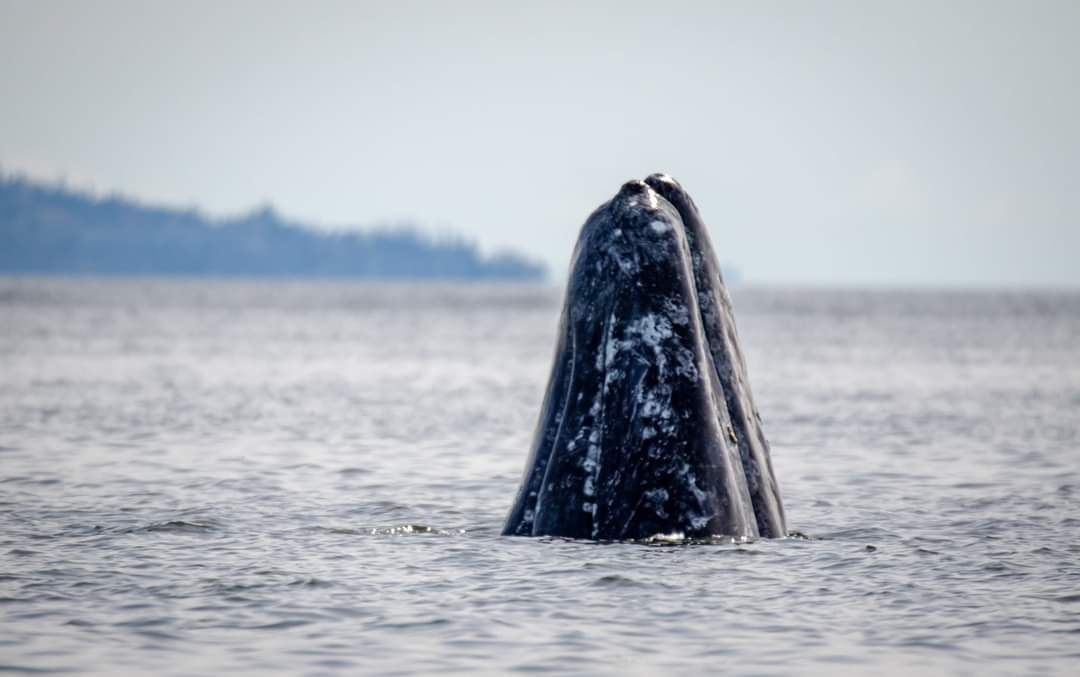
636	437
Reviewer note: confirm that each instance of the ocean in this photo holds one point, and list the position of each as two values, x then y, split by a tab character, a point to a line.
309	478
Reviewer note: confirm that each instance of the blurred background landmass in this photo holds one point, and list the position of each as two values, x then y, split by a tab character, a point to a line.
49	229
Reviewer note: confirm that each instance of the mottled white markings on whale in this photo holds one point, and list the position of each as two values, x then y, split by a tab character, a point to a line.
650	380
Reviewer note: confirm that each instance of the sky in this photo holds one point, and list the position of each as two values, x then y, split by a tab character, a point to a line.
826	143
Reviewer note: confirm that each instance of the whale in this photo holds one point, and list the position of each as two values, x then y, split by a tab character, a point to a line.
648	427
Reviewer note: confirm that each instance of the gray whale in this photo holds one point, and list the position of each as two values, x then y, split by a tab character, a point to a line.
648	426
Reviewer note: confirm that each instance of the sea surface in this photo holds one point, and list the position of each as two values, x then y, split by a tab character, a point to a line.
309	478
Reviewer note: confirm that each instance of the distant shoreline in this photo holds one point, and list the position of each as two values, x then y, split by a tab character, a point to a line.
7	275
53	230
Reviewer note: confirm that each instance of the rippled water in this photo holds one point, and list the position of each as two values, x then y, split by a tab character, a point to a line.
310	478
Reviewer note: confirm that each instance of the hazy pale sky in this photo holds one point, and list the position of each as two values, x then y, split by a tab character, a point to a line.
831	142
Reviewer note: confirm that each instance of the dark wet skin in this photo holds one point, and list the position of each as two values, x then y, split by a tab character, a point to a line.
648	426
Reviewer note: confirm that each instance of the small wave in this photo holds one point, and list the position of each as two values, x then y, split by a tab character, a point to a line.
406	625
381	508
618	581
224	588
150	622
29	670
310	583
270	580
342	531
407	529
1065	599
302	466
678	538
351	472
656	540
413	529
674	537
32	481
857	534
281	625
171	526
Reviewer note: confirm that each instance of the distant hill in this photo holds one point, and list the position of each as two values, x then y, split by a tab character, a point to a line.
51	229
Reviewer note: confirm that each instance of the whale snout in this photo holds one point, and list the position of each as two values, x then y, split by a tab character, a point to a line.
638	201
633	187
659	180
